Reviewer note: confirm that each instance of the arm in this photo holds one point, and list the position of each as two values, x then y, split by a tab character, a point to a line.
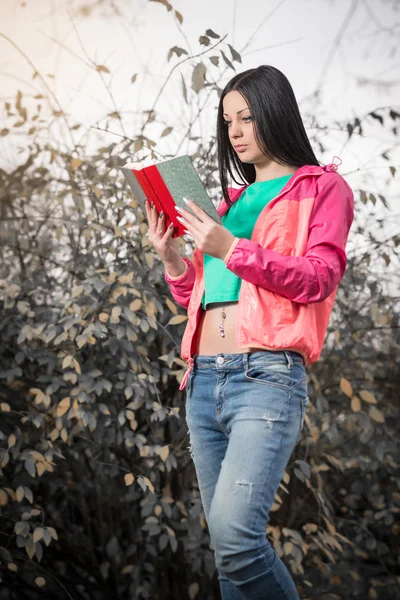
181	287
314	276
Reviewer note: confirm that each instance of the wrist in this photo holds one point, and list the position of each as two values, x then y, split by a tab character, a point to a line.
231	248
175	268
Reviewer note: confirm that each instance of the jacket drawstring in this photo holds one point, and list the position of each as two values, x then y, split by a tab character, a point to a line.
186	375
333	166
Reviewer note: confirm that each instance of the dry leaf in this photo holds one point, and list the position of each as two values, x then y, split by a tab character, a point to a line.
346	388
368	397
166	131
67	361
355	404
376	415
126	278
76	162
149	484
177	320
135	305
77	291
163	453
129	479
30	547
38	534
115	314
310	527
287	547
171	306
193	590
199	77
102	69
63	406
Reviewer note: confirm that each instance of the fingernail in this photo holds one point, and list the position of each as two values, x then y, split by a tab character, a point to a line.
180	219
161	214
186	200
178	209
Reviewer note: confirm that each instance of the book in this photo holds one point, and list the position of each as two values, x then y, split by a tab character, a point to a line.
166	183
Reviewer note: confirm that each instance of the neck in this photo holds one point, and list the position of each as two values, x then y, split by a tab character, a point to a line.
272	170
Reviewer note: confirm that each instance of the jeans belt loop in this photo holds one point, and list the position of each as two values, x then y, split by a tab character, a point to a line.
289	359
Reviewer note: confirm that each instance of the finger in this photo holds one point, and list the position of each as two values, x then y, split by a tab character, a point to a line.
148	205
199	212
150	218
161	222
190	227
147	208
186	215
169	232
189	220
149	211
154	217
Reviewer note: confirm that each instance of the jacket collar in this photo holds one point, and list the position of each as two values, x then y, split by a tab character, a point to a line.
304	171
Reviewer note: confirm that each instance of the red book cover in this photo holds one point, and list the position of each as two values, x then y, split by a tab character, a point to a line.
166	183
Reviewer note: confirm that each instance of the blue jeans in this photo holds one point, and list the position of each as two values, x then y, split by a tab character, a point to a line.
245	413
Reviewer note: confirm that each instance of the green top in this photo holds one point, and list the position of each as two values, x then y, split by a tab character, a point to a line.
220	284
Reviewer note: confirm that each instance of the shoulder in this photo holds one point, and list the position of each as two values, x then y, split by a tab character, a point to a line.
332	182
334	200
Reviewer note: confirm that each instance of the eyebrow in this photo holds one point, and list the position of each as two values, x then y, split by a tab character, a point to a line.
239	111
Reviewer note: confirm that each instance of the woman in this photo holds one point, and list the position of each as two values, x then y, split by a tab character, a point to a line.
259	294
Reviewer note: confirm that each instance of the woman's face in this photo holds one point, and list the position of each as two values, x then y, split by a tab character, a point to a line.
240	125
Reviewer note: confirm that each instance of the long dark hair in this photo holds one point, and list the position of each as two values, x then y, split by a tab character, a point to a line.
278	127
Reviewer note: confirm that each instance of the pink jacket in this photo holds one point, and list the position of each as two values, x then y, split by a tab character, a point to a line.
290	268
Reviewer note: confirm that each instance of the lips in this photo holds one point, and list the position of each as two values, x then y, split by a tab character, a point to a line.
240	148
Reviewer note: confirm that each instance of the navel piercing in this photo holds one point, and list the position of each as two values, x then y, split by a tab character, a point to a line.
221	327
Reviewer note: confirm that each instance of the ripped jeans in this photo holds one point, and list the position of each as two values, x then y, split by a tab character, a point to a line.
245	413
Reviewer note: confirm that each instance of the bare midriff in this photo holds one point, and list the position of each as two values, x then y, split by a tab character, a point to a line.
208	340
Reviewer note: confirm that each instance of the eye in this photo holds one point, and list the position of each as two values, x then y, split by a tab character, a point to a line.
244	119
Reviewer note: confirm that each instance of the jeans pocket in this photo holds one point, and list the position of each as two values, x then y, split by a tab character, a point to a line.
303	408
275	373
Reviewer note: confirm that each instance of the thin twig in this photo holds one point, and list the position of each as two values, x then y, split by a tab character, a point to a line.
42	79
95	67
178	64
37	565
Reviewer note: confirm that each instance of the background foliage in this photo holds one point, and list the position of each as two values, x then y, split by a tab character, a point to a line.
98	495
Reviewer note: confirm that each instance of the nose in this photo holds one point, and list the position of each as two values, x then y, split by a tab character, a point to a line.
235	130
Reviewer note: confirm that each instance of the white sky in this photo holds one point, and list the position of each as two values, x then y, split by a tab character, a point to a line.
296	36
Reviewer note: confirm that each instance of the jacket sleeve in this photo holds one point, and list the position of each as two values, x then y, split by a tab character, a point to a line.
181	287
314	276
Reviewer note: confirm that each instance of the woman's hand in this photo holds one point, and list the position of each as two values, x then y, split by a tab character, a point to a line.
210	237
165	245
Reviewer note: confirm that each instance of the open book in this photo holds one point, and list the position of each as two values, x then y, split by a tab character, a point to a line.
166	183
